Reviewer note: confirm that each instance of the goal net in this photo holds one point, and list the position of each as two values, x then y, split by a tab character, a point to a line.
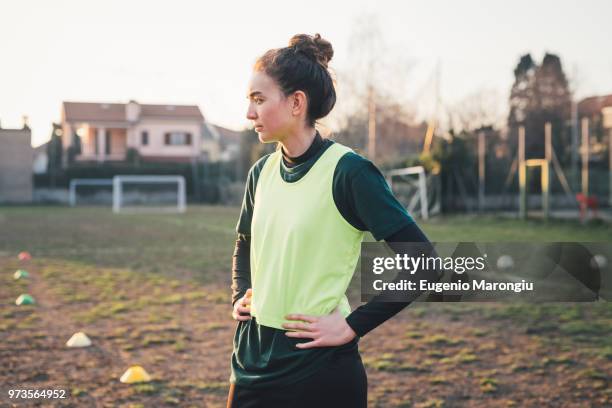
409	185
90	191
149	194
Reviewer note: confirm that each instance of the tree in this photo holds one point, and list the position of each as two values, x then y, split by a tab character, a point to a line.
54	154
373	114
455	160
522	93
540	94
478	109
251	150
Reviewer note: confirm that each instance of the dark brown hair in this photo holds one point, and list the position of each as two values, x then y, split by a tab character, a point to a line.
302	66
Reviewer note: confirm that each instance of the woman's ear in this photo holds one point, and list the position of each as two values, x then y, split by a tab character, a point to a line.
300	103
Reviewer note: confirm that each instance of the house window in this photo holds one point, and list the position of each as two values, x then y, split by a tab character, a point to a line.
144	138
177	138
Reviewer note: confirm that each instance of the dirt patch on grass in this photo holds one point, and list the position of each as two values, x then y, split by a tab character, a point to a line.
180	331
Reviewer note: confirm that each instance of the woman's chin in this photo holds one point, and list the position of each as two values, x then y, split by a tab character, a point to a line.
265	138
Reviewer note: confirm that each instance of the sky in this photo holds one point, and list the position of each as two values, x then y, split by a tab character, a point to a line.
197	52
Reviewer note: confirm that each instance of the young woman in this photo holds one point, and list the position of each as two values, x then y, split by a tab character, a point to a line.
305	210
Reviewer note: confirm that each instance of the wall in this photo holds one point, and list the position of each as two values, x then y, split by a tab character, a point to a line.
157	128
16	163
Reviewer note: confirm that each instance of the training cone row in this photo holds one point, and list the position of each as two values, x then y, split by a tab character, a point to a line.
135	374
23	299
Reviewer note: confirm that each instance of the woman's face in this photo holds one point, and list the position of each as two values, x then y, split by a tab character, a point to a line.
269	110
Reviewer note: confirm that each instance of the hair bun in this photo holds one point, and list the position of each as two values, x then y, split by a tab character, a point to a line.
314	47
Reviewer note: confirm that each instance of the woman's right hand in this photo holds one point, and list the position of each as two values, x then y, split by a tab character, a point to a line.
242	307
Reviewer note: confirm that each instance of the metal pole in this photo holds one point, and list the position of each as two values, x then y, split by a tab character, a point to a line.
585	156
481	170
545	188
371	125
546	170
181	194
575	148
116	194
522	174
610	164
72	194
423	194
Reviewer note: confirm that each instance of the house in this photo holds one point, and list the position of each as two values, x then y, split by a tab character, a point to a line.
102	132
598	109
607	117
41	159
226	140
16	160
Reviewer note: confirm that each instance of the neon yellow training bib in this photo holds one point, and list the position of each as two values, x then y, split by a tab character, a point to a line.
303	252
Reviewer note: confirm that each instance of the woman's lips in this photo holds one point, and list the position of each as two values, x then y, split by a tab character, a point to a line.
258	128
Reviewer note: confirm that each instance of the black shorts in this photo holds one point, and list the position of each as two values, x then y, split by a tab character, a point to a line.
342	382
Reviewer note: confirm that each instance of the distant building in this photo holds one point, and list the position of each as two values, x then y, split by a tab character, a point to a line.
16	160
598	109
41	159
607	117
102	132
226	140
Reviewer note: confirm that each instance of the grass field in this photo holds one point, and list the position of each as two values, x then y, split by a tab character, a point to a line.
154	290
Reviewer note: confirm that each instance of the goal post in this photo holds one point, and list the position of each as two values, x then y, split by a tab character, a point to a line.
118	192
421	195
544	182
74	183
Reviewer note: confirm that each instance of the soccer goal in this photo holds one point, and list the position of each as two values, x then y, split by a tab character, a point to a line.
149	194
415	191
90	191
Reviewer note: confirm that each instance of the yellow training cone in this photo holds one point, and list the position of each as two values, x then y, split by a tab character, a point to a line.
21	274
135	374
79	339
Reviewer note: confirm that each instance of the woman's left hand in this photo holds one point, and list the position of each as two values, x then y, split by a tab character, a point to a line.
329	330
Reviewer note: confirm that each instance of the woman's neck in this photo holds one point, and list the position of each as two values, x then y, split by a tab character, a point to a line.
297	144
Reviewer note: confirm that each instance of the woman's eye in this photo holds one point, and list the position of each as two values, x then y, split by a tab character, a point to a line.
258	101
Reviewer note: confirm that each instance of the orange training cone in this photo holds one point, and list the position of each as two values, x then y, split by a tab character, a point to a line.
24	256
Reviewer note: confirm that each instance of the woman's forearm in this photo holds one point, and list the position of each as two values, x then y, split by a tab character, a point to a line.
372	314
241	268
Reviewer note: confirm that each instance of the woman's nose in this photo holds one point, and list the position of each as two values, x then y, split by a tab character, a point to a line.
251	115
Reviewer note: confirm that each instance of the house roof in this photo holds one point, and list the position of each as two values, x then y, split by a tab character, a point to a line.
593	105
116	112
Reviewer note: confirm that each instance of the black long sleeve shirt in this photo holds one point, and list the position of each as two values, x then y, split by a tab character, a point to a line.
366	317
264	356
